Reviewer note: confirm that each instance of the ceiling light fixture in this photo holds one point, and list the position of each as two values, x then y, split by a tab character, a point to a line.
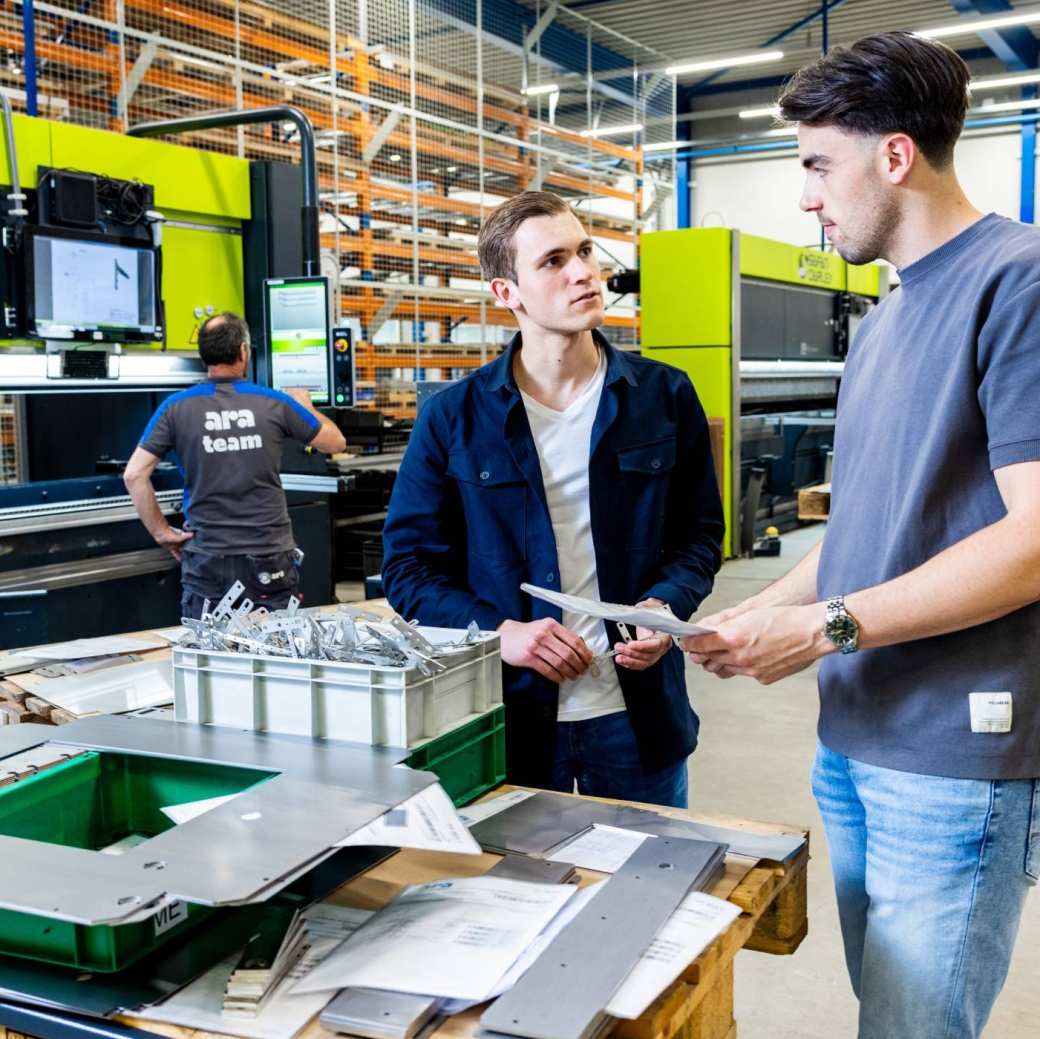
995	82
544	88
1006	106
608	131
756	58
976	25
772	112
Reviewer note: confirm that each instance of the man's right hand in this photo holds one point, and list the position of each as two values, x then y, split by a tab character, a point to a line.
301	396
545	646
172	538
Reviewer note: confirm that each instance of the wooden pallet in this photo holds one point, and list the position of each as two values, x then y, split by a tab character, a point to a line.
814	503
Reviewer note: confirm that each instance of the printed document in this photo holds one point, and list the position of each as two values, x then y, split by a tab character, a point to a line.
602	848
698	921
427	820
449	938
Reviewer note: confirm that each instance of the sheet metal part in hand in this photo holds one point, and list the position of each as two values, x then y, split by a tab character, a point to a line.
565	993
241	852
543	821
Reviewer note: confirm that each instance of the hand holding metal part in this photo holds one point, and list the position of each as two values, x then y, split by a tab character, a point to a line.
648	647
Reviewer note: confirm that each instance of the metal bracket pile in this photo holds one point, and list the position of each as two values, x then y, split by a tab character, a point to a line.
350	635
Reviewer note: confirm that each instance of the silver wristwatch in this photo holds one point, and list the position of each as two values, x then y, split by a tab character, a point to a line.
841	627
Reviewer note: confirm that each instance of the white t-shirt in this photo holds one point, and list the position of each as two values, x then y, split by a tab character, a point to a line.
563	440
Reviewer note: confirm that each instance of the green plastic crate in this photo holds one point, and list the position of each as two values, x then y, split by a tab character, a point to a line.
469	760
91	802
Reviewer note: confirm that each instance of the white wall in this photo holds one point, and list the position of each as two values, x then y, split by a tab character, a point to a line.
759	194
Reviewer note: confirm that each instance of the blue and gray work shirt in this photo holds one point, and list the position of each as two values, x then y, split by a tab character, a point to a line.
941	390
228	434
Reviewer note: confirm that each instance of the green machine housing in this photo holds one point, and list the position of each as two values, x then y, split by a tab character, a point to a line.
65	522
762	329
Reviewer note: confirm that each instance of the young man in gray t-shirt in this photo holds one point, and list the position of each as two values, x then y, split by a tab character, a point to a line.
924	597
227	434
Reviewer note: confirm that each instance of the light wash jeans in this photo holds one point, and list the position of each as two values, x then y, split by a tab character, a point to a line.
931	875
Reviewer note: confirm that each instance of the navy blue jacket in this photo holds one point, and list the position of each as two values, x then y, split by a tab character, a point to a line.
468	523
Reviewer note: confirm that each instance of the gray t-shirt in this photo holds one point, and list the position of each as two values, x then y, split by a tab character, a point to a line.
228	435
941	388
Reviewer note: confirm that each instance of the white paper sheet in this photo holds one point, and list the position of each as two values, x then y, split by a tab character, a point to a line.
576	904
183	813
427	820
691	928
111	690
451	938
199	1005
644	616
473	814
602	848
99	647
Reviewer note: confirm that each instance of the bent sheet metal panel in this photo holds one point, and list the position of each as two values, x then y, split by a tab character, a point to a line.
242	851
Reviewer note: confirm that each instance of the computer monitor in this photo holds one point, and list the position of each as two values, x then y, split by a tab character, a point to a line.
87	286
296	316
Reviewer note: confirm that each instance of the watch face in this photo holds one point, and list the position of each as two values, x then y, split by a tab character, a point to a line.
842	629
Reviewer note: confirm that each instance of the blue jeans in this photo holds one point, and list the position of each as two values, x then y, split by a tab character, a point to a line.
602	756
931	875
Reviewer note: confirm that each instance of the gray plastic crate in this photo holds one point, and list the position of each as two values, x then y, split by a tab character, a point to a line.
398	707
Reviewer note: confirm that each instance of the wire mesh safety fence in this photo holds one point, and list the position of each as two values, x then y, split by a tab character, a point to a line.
427	114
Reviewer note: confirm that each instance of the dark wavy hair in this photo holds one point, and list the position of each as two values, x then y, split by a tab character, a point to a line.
893	82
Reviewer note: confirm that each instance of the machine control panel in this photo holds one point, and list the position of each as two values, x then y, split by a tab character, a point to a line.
342	367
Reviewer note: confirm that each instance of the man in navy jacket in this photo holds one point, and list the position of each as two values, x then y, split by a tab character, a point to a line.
571	465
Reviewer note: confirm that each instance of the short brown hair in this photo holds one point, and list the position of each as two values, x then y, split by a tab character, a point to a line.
892	82
495	245
220	337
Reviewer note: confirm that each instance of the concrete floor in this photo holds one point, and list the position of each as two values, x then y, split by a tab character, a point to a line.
756	751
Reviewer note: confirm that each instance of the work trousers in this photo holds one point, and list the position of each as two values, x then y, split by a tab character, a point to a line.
269	580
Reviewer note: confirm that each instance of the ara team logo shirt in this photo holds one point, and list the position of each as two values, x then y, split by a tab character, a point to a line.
227	435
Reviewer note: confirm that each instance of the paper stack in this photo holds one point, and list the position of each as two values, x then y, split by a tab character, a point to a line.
269	955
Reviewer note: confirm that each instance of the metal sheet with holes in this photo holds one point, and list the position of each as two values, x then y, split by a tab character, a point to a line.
563	995
242	851
378	1015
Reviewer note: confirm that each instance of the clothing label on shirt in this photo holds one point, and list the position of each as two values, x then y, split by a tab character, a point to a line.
990	712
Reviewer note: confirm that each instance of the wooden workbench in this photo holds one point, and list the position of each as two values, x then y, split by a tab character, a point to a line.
698	1006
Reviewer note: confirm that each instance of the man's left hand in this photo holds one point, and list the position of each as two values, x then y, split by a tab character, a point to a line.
765	644
647	649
